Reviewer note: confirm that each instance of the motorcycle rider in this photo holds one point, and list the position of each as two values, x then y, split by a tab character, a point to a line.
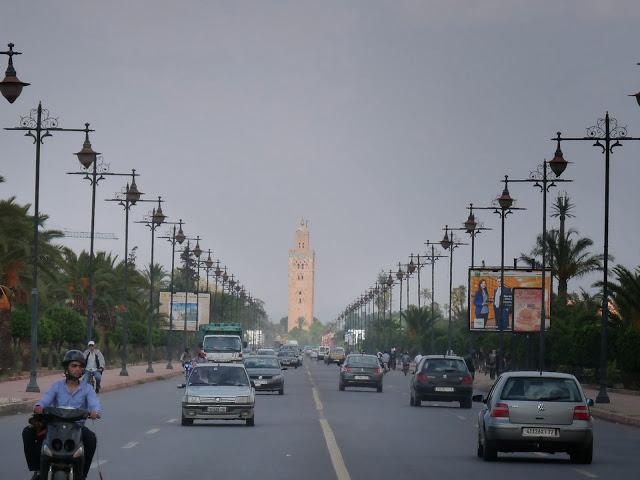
406	359
71	392
385	360
95	363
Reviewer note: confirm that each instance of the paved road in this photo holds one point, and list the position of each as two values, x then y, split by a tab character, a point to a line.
315	432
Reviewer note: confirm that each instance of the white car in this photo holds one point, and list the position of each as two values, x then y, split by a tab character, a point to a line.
314	353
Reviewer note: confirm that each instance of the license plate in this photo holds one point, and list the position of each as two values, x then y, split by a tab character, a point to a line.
361	377
217	409
259	382
444	389
539	432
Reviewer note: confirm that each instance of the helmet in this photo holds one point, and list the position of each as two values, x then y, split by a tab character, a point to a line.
73	356
91	342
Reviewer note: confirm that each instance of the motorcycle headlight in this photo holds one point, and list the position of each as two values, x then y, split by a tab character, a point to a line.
47	451
191	399
79	452
242	399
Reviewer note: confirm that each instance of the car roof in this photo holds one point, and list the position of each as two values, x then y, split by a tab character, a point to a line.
448	357
362	355
537	373
219	364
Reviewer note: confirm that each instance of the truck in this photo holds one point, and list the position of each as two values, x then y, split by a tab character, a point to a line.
222	342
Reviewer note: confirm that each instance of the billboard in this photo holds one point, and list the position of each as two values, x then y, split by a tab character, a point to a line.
202	309
522	299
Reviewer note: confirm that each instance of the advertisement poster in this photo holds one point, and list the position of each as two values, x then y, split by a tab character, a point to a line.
485	294
201	310
526	308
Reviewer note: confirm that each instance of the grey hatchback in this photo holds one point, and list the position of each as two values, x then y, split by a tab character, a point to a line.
535	411
360	370
444	378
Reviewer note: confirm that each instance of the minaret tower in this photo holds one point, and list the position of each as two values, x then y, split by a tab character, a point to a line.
301	279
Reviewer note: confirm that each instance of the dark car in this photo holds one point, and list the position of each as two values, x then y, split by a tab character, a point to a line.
359	370
441	378
266	373
288	358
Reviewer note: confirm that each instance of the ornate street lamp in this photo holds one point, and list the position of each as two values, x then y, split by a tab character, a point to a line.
449	243
11	87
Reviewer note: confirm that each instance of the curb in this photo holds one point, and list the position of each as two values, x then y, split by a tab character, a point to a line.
26	406
615	417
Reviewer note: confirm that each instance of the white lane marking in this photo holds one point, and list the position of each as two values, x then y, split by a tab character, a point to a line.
330	439
585	473
130	445
172	420
95	465
461	417
152	431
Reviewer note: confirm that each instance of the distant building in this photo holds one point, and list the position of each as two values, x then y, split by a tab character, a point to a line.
301	279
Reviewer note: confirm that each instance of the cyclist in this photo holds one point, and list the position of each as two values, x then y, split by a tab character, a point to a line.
95	363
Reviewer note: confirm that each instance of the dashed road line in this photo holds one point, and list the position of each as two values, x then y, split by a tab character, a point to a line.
152	431
172	420
461	417
130	445
585	473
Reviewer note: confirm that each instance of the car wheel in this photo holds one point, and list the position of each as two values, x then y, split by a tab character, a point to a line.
480	451
417	400
489	452
583	455
186	422
341	387
466	403
250	422
379	388
411	401
281	391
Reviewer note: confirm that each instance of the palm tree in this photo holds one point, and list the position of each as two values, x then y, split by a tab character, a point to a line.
625	293
562	210
568	258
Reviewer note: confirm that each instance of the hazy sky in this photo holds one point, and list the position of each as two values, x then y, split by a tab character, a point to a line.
379	121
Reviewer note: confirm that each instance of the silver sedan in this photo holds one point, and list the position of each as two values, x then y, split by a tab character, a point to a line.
535	411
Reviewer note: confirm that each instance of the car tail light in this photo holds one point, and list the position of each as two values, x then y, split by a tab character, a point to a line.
500	410
581	412
346	369
467	380
422	378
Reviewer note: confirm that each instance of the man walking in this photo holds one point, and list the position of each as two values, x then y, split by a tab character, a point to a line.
95	364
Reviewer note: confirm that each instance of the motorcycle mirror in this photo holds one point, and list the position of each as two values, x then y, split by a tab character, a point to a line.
182	385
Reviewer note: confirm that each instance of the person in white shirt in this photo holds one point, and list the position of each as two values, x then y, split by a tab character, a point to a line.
95	364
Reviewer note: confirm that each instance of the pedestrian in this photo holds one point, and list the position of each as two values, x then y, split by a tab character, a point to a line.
95	364
492	364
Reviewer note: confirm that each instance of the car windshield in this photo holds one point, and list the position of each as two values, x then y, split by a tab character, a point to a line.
266	351
338	350
285	353
441	365
219	375
541	389
364	361
222	344
264	362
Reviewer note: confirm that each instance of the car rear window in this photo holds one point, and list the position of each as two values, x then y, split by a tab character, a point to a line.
362	362
541	389
439	365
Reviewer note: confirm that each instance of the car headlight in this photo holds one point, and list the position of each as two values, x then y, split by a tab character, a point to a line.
242	399
191	399
277	377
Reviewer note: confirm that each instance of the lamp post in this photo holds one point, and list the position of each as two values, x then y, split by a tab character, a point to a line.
473	229
449	243
197	251
176	237
540	178
433	258
400	275
11	87
608	131
217	274
40	122
225	279
131	197
88	158
186	254
156	219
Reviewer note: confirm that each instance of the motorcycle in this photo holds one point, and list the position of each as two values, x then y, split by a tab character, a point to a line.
188	366
62	456
405	368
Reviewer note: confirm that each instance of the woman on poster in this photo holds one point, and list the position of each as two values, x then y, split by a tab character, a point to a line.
481	302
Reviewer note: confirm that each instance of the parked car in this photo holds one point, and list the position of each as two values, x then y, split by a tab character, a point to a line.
288	358
218	391
535	411
266	373
335	355
360	370
442	378
314	353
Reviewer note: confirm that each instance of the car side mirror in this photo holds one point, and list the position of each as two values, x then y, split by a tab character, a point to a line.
590	402
284	368
182	385
252	384
479	398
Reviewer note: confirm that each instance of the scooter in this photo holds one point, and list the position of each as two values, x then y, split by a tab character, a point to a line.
62	456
